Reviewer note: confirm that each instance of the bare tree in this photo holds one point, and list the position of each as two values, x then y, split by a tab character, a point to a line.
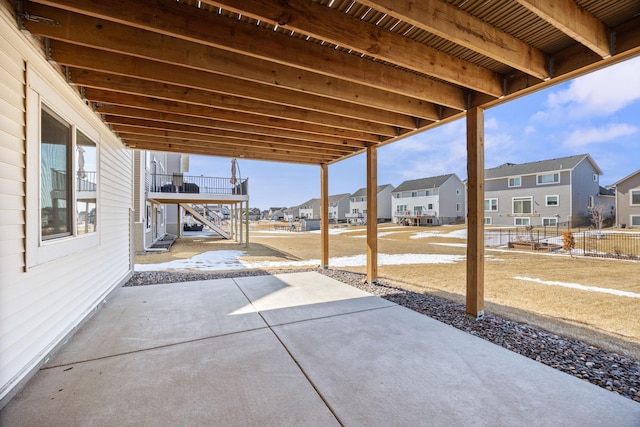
598	215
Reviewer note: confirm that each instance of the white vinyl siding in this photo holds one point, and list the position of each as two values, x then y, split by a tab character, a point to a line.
42	303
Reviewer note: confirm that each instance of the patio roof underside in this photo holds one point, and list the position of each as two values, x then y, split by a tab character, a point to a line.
314	82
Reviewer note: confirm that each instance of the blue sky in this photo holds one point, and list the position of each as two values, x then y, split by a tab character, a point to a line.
597	114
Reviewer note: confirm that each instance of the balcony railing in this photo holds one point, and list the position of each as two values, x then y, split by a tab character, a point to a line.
176	183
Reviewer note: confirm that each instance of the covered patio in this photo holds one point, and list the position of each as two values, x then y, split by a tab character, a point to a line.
294	349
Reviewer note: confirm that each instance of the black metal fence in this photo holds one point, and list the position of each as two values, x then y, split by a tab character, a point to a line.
581	241
165	183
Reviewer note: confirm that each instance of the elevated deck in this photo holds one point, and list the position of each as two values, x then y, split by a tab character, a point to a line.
178	188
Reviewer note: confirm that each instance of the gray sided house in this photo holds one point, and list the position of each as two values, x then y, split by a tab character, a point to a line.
358	205
628	201
338	207
310	209
436	200
542	193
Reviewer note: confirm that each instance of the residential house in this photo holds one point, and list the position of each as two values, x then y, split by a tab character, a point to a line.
66	208
542	193
275	213
435	200
292	214
358	205
338	207
628	201
310	209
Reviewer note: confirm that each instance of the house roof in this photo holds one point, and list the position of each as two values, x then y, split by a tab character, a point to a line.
606	191
337	197
423	183
311	203
518	169
314	82
627	177
363	191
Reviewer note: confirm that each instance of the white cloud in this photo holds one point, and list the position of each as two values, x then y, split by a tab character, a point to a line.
593	135
600	93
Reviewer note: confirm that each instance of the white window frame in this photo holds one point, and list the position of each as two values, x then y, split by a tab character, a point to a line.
513	200
39	251
591	203
524	221
488	220
491	204
519	184
458	192
552	221
631	192
546	200
595	177
541	175
458	207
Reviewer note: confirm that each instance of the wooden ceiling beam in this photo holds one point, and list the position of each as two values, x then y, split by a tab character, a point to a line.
125	65
574	21
98	80
358	130
457	26
143	142
311	68
153	127
333	26
117	114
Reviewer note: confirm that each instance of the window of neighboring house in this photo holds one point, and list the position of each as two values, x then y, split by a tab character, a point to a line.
458	192
490	205
458	207
591	202
414	194
552	200
635	197
595	177
487	220
433	192
401	209
515	181
355	210
522	205
148	216
635	220
430	206
548	178
550	222
417	210
522	221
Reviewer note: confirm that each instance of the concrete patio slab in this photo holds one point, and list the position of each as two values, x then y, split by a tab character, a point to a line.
242	379
317	352
294	297
394	366
145	317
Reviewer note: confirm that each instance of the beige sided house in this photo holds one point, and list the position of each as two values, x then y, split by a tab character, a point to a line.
628	201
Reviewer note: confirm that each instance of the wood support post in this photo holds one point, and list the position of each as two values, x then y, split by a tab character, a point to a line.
372	214
475	217
324	215
246	216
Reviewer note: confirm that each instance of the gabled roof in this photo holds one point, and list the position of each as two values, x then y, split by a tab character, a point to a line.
627	177
337	197
423	183
559	164
310	203
606	191
363	191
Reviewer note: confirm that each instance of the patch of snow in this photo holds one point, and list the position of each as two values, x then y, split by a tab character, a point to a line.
582	287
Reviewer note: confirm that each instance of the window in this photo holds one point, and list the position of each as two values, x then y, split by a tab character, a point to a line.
522	205
417	210
56	197
433	192
635	197
458	207
401	209
490	205
515	181
522	221
549	178
595	177
550	222
414	194
430	206
635	220
487	220
591	202
458	192
552	200
148	216
86	184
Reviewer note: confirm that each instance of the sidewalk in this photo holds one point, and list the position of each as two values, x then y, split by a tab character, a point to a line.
294	349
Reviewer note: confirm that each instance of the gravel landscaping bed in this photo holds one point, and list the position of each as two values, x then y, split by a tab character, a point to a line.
606	369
